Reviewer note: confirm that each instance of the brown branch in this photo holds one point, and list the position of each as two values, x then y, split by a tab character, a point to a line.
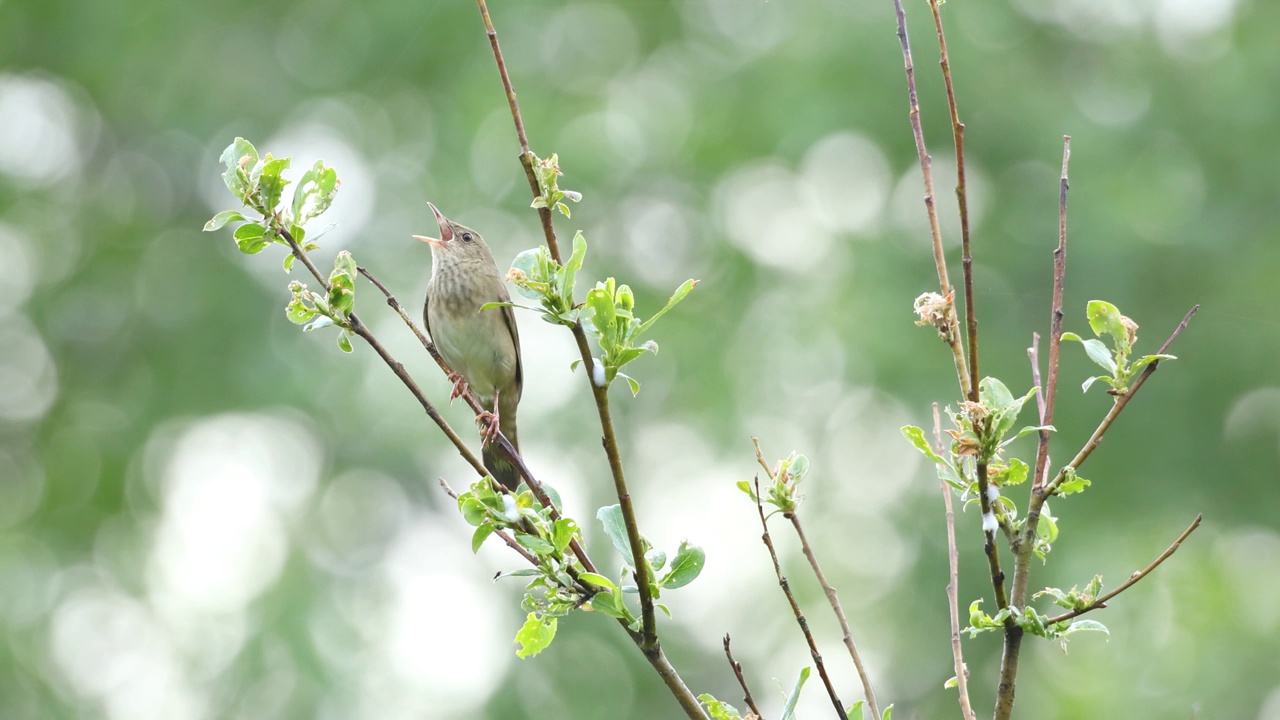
648	641
1055	320
795	607
953	582
737	671
951	336
834	600
962	201
1101	602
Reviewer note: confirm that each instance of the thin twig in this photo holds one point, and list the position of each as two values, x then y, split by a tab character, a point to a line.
952	334
962	201
1101	602
795	607
649	644
469	397
1055	320
953	582
834	599
737	672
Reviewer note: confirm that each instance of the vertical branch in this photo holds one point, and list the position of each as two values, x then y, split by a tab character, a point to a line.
952	335
834	600
962	201
953	600
795	608
648	638
737	672
1055	320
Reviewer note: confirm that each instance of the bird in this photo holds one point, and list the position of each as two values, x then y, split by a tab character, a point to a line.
481	346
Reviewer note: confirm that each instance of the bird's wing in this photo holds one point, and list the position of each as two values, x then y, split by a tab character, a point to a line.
426	312
509	317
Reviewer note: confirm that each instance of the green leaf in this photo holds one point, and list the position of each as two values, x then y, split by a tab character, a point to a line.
632	383
855	711
473	511
345	263
597	580
789	708
251	239
953	682
1087	626
718	710
745	487
1105	319
238	157
288	261
1046	528
271	184
1096	350
344	343
601	311
685	568
656	559
676	297
535	635
916	437
535	544
569	273
609	602
887	712
563	532
481	534
1147	360
223	218
1072	483
1017	472
611	517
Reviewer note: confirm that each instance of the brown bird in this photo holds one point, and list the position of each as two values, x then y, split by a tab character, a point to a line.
482	347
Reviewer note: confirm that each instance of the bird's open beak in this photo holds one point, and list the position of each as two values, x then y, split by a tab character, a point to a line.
446	230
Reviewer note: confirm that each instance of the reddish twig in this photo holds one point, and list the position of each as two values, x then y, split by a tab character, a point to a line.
953	582
742	681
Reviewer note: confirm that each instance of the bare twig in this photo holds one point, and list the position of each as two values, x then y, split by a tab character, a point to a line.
648	641
952	333
1101	602
1055	321
795	607
953	581
834	600
962	201
737	672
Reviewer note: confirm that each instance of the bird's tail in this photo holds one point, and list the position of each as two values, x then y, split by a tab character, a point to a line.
496	460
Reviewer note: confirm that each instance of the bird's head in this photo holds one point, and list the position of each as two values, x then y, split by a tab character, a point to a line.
456	242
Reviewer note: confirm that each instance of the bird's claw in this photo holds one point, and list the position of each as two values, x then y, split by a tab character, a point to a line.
488	422
459	386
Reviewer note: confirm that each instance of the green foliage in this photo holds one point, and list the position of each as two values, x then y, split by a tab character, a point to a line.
1106	321
535	635
258	183
793	697
719	710
549	193
784	489
683	569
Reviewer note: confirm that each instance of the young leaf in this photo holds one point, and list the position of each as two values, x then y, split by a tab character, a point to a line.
676	297
719	710
223	218
789	708
250	238
344	343
535	635
1105	319
535	544
481	534
1096	350
611	517
855	711
916	437
686	566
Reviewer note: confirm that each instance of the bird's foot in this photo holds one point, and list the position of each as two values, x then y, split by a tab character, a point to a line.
459	386
488	422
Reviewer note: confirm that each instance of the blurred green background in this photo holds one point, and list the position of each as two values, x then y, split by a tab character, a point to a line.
205	513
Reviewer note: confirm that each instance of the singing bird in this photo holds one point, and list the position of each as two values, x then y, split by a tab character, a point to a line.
482	346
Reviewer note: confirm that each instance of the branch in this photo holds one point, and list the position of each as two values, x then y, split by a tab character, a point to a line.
1055	321
648	642
951	336
506	536
953	581
795	607
737	671
962	201
839	611
1101	602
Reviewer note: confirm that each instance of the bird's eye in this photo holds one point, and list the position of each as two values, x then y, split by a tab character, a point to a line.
466	236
